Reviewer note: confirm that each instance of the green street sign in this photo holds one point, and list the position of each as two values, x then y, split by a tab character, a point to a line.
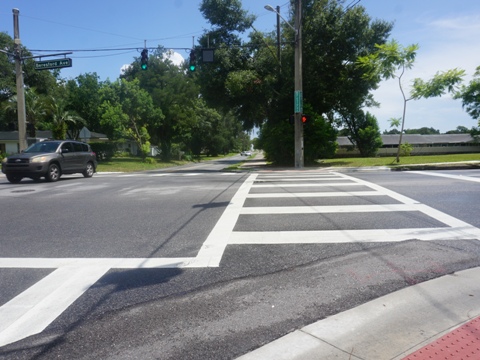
298	101
53	64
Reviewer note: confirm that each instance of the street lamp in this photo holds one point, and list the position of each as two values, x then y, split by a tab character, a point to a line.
277	11
298	93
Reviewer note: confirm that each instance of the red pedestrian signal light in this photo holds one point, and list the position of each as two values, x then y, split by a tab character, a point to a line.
303	118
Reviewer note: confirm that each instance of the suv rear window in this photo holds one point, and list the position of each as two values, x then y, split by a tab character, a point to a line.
67	147
79	147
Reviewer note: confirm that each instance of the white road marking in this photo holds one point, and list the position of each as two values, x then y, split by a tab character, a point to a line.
326	209
315	194
450	176
455	230
33	310
213	248
353	236
302	185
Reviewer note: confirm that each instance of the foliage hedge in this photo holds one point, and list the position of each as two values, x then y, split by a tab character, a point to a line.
104	151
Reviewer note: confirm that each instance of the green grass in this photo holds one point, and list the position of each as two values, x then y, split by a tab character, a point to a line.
391	161
134	164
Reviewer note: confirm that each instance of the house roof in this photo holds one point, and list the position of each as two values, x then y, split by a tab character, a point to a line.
416	139
47	134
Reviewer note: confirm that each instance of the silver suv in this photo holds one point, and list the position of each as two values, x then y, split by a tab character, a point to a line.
50	159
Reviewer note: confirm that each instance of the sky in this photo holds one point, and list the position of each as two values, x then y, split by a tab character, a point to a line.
447	32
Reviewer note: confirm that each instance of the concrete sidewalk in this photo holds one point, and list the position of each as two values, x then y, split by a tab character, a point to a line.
390	327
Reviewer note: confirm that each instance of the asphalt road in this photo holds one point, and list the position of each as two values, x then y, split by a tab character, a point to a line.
196	263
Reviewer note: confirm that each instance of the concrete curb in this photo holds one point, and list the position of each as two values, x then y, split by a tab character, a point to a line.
259	164
390	327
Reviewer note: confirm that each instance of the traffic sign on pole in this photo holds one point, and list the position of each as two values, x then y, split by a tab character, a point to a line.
53	64
298	101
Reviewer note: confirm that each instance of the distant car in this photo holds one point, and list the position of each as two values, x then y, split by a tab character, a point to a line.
50	159
246	153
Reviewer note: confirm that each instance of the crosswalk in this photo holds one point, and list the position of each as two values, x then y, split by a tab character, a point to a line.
323	199
267	195
268	208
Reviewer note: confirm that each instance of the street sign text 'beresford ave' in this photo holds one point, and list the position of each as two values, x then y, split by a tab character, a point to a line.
53	64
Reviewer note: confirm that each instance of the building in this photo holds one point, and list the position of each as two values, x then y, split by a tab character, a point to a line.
9	139
422	145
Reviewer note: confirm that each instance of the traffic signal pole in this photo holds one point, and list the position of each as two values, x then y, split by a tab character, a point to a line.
22	128
298	96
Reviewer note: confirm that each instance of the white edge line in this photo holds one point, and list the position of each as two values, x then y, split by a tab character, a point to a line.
456	177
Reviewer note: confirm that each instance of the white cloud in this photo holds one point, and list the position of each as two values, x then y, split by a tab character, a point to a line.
124	68
174	57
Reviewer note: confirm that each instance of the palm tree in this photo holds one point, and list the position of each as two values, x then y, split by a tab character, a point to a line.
34	109
59	118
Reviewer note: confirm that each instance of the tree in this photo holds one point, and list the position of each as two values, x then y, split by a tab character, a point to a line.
422	131
83	98
459	130
58	118
172	91
247	79
319	137
364	132
128	111
391	60
35	108
334	38
470	95
37	85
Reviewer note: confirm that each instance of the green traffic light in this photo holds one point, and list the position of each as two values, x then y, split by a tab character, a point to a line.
192	67
144	66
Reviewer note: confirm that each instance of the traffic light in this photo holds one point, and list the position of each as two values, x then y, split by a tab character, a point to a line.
144	59
193	61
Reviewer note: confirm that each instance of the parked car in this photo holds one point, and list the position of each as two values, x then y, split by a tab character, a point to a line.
50	159
246	153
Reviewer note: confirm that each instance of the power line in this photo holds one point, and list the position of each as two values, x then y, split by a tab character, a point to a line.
104	50
113	34
352	4
80	27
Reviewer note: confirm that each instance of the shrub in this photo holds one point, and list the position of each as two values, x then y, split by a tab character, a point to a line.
406	149
104	151
149	160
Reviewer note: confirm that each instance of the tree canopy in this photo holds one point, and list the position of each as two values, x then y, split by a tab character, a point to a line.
346	54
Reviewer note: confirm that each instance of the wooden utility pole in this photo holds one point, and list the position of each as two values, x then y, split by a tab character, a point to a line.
22	128
298	95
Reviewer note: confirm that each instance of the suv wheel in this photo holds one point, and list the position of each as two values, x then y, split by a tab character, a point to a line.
14	179
89	170
53	173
